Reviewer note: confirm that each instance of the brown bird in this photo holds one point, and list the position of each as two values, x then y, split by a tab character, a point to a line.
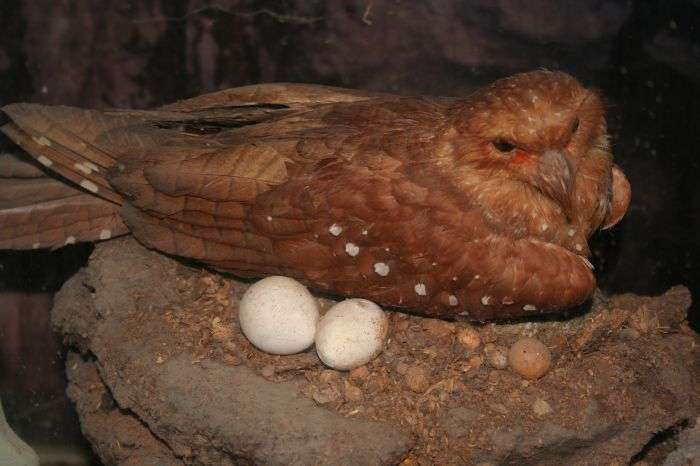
479	206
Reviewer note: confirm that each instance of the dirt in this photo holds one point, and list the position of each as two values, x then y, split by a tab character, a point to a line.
161	374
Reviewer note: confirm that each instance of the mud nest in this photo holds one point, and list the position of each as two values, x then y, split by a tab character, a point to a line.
161	374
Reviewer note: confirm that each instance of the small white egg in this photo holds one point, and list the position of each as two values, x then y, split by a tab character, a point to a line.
351	334
279	315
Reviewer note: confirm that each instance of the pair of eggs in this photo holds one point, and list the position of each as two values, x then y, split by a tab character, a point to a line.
279	316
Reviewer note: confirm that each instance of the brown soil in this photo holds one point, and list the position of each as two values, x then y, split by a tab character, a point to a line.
166	377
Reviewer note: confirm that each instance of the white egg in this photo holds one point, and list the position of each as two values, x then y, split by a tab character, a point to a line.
279	315
351	334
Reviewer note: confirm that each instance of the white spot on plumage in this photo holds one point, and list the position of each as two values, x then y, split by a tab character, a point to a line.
578	247
544	227
486	300
45	161
380	268
364	232
70	240
36	245
507	301
83	168
352	249
42	141
529	307
89	185
454	279
476	277
571	232
335	229
420	289
105	234
91	166
269	218
452	299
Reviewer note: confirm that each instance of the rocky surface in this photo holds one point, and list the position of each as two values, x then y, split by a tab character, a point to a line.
160	374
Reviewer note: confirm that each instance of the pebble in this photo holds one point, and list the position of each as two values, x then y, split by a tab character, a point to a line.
328	376
474	362
469	338
541	408
402	368
377	383
438	328
497	357
417	378
267	371
359	373
530	358
351	392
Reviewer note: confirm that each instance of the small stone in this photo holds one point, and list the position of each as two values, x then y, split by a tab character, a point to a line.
438	328
377	383
325	395
359	373
469	338
402	368
351	392
530	358
498	357
473	362
328	376
417	379
231	359
268	371
541	408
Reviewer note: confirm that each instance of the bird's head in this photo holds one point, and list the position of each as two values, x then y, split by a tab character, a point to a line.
536	128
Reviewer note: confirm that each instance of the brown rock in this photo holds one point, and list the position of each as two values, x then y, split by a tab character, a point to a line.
530	358
438	328
497	357
351	392
417	378
359	373
469	338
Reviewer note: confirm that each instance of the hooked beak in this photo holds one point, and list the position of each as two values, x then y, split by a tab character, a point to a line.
556	175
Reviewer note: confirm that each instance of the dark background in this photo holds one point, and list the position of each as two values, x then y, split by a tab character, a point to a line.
643	56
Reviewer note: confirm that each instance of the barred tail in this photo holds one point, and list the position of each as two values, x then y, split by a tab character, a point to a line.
62	196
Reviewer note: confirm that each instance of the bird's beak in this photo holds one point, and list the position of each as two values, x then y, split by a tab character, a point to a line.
556	175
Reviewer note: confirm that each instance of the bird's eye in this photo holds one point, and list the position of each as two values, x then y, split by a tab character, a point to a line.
574	126
503	146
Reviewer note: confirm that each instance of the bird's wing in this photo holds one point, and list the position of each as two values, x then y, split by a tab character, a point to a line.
38	211
201	205
83	146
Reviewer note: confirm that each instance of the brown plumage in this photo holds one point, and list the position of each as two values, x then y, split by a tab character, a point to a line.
479	206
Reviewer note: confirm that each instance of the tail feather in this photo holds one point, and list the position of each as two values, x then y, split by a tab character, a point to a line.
55	223
38	211
14	166
73	166
21	192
